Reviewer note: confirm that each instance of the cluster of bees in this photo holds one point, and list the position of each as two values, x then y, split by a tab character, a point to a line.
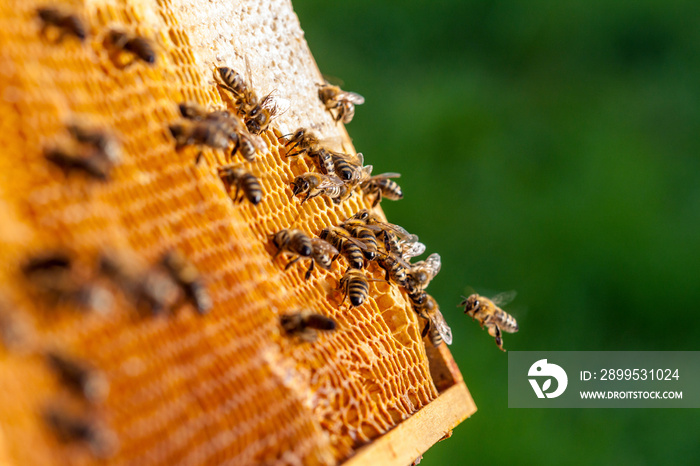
54	278
361	239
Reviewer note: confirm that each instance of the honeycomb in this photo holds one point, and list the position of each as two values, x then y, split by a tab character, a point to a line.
226	387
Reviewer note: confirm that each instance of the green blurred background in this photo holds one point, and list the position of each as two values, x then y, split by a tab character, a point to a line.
552	148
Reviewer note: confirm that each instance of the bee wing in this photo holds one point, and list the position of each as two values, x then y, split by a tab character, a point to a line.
355	241
411	249
364	173
352	97
387	175
330	181
433	264
324	246
438	320
501	299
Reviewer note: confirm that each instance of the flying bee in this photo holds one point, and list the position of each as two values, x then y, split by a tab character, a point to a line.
304	324
315	184
351	248
71	427
294	242
79	376
188	278
243	180
490	315
358	229
139	48
435	326
302	141
101	141
421	273
323	253
152	287
342	102
355	285
382	186
66	23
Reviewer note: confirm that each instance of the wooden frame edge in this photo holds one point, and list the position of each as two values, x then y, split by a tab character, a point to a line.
414	436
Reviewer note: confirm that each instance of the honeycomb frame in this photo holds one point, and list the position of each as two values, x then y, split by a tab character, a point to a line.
185	388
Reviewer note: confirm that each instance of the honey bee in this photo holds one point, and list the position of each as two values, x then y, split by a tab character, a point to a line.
396	269
228	123
323	253
350	169
152	287
382	186
302	141
258	113
233	82
139	48
71	427
358	229
101	141
315	184
52	276
324	158
436	326
71	159
15	331
355	285
79	376
294	242
342	102
351	248
66	23
305	324
203	133
396	239
421	273
188	278
490	315
243	180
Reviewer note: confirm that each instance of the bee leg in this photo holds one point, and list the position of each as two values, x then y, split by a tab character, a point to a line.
344	287
377	199
291	262
235	148
235	196
425	329
199	157
289	154
311	268
311	196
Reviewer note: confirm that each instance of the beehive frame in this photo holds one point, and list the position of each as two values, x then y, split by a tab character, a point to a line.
182	386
